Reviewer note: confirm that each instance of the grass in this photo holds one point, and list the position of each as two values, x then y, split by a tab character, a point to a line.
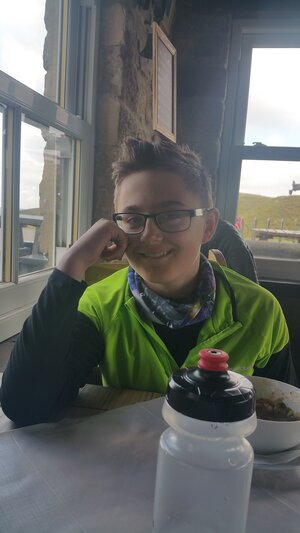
286	208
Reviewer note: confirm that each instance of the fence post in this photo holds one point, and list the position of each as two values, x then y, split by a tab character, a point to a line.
254	225
242	226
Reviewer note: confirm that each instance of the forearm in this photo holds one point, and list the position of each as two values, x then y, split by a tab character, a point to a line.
104	241
47	364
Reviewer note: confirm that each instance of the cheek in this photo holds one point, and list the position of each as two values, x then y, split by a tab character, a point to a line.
192	241
187	249
133	244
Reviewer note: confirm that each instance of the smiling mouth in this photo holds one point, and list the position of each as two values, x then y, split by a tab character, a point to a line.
156	255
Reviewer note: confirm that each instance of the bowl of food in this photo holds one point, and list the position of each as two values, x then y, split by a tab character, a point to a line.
278	416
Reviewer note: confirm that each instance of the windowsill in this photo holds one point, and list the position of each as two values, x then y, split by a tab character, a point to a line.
282	289
278	270
17	300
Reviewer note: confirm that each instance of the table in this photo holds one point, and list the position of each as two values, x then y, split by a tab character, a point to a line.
96	473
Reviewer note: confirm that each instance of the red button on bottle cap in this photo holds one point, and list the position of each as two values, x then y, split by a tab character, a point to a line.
213	360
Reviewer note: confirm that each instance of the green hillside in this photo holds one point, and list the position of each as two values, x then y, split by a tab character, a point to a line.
251	206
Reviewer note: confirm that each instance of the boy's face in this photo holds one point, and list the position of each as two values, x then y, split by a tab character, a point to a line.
167	262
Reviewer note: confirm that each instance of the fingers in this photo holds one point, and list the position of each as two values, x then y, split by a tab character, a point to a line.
103	241
116	246
114	251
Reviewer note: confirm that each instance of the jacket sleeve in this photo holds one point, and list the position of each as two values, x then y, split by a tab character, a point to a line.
53	355
280	366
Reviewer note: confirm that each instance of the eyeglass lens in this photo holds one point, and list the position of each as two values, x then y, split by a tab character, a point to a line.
170	221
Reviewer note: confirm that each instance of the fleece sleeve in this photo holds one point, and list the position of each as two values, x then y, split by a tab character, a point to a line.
53	355
280	366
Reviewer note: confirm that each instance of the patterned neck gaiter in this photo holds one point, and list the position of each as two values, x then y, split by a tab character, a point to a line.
170	312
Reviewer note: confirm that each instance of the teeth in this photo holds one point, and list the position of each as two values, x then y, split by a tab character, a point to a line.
162	254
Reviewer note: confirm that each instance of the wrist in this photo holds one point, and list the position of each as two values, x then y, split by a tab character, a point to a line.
72	267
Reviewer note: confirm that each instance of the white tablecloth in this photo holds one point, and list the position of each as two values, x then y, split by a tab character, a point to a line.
97	475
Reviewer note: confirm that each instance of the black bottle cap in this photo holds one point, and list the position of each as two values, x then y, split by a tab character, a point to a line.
210	392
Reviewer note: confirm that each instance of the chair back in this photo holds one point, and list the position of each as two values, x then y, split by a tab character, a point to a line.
216	255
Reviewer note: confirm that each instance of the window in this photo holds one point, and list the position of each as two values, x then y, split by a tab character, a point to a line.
46	118
45	197
260	160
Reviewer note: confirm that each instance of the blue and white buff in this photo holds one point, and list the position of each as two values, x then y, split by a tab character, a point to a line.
172	313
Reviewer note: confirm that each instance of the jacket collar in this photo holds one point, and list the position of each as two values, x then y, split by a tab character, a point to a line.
222	323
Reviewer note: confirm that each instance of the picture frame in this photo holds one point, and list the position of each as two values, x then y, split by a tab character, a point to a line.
164	83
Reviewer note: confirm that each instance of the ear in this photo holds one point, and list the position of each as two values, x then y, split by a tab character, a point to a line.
210	224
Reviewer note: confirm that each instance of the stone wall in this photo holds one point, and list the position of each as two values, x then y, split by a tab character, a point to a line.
125	89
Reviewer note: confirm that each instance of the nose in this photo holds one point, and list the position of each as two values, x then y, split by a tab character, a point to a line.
151	233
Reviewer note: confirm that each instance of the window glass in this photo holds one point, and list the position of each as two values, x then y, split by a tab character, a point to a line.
268	213
46	192
24	53
273	113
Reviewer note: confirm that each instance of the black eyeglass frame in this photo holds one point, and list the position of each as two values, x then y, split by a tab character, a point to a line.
199	212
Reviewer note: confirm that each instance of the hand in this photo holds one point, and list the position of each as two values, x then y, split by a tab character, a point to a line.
104	240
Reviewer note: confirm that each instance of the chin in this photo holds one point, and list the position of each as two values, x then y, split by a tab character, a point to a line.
151	276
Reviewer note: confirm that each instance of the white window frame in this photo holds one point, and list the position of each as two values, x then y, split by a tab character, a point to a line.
17	296
245	35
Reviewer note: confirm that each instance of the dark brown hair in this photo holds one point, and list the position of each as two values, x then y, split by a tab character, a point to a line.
161	154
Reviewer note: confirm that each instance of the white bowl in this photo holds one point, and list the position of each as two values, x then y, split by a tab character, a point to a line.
273	436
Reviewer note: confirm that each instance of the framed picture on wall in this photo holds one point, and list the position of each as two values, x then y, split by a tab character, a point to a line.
164	84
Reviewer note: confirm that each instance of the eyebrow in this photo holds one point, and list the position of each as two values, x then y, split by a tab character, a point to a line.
162	205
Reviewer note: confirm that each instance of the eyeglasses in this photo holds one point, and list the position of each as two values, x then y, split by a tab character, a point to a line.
167	221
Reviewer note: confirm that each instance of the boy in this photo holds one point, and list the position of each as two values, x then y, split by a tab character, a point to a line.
143	322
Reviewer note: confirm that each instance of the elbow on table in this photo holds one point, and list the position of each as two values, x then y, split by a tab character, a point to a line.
20	414
29	400
23	410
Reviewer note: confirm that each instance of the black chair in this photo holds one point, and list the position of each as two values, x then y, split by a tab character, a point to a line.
234	248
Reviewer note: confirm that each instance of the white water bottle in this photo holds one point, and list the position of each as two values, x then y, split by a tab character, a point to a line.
205	463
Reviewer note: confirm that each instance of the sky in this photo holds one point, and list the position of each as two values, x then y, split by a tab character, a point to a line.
273	111
22	35
273	107
269	178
